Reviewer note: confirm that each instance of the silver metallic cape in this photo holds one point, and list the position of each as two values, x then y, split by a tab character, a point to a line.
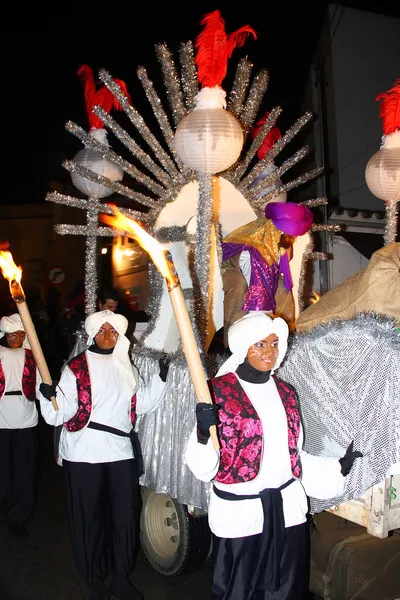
347	375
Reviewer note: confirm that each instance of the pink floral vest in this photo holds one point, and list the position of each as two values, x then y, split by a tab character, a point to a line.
240	430
28	377
79	367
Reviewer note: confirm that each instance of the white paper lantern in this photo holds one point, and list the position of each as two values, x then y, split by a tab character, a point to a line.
95	161
382	173
209	140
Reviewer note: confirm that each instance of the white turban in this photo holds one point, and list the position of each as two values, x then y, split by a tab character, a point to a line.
12	324
248	330
120	355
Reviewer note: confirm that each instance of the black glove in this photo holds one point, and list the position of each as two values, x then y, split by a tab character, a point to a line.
206	415
47	390
164	363
347	461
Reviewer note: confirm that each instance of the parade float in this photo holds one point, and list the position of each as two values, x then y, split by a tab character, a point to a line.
208	168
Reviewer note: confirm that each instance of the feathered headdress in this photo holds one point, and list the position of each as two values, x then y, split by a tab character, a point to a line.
390	109
96	94
273	135
215	47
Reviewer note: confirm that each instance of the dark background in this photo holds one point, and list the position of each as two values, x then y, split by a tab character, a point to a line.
42	49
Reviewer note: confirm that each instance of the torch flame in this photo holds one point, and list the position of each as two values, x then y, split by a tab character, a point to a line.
145	240
315	297
13	274
8	267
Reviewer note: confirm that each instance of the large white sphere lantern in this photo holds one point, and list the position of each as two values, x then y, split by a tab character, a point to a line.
95	161
382	173
209	139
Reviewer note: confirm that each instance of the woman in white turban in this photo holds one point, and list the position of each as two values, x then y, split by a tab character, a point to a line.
18	425
261	476
99	395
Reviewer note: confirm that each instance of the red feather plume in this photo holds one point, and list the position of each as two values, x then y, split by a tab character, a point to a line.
238	38
214	48
273	135
390	109
98	95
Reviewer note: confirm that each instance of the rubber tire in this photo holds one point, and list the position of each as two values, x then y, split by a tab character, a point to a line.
173	541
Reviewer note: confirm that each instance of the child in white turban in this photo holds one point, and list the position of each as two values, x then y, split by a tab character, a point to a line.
261	475
18	425
99	395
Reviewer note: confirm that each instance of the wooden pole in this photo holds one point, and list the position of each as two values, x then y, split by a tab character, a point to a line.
22	307
191	351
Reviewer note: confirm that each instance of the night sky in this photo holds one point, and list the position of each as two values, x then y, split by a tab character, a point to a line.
42	52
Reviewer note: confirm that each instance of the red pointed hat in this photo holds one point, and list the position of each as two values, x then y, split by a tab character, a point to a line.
289	217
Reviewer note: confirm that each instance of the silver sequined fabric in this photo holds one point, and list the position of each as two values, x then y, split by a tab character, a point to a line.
347	374
164	434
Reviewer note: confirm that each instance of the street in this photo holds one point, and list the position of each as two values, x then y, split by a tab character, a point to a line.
41	567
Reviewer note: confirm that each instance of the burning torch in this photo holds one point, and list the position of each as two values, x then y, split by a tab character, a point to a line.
168	271
13	274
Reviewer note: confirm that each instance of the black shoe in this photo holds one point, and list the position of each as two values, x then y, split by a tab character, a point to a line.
123	589
18	531
98	591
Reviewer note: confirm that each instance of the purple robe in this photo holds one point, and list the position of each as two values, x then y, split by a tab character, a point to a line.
263	278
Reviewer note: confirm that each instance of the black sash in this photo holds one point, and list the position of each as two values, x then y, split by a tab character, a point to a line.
17	393
137	450
272	539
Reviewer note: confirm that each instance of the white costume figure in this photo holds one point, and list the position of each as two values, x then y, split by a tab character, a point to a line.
100	389
18	425
261	475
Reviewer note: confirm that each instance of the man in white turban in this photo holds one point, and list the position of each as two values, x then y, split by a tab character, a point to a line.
18	425
99	395
261	475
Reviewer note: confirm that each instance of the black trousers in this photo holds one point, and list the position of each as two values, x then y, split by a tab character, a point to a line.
237	566
104	509
18	459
